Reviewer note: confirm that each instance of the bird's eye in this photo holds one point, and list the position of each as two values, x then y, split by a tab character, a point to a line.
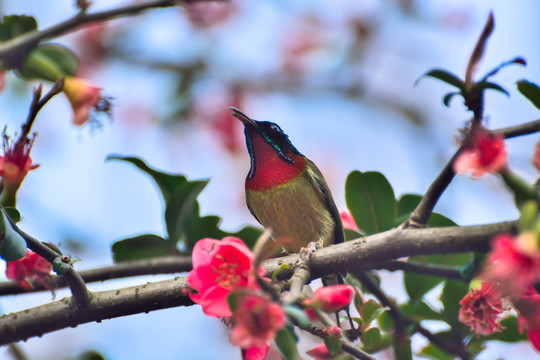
274	127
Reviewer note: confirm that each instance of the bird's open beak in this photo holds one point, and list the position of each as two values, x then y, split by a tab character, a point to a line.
243	117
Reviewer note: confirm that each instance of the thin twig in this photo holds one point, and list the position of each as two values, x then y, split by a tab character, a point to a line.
79	291
33	38
345	345
395	265
421	214
160	265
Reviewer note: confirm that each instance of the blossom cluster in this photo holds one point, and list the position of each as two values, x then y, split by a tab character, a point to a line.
226	284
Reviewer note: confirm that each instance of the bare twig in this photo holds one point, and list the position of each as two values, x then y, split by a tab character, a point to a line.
421	214
161	265
33	38
78	288
393	265
345	345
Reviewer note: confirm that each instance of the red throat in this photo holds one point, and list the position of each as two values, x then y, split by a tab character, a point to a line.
270	169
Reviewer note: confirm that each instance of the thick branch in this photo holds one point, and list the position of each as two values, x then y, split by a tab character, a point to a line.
31	39
357	254
421	214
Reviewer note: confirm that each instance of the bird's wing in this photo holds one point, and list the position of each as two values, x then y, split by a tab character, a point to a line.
322	187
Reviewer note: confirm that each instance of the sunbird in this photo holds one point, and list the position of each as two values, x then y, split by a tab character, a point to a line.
285	191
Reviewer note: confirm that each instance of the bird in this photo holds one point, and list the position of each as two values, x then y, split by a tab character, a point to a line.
285	191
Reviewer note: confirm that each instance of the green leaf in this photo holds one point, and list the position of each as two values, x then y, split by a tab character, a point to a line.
446	77
12	244
510	332
446	98
13	214
531	91
483	85
49	62
438	220
142	247
517	60
371	338
60	267
402	348
248	234
452	294
15	25
166	182
406	205
286	343
352	234
386	321
232	301
179	208
370	311
278	270
419	311
298	315
417	285
333	345
435	353
371	200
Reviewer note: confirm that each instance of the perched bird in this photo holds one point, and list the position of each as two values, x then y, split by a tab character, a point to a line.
285	191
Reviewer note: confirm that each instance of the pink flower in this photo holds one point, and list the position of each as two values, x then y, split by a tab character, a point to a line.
348	220
83	98
485	154
15	163
255	353
480	309
257	319
220	267
320	352
514	262
331	298
30	267
528	308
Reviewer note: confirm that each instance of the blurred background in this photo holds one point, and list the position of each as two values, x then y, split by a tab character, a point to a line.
338	76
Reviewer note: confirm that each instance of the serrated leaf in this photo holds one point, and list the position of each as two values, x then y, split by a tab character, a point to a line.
446	77
286	343
446	98
12	244
142	247
370	311
531	91
333	345
370	198
371	338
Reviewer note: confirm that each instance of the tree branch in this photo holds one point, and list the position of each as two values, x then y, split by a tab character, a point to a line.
394	265
352	255
33	38
421	214
161	265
